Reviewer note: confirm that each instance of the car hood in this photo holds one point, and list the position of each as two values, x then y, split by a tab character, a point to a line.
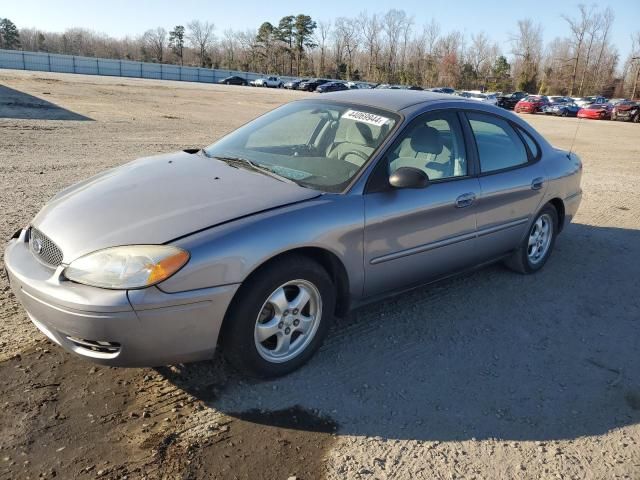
156	199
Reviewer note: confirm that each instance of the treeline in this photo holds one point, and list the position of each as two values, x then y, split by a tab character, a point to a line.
384	47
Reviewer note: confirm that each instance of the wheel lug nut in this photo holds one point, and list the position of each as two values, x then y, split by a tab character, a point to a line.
280	325
286	312
287	330
295	312
296	322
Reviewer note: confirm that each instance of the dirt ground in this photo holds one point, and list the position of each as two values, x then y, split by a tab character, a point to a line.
491	375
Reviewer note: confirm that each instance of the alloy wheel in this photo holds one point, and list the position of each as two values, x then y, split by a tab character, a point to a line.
288	321
540	239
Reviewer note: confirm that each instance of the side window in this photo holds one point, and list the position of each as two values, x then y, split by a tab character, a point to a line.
499	146
434	144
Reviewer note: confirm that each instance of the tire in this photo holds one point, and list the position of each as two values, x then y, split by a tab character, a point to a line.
524	260
248	347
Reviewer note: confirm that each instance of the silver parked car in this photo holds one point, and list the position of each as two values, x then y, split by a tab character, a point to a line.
258	241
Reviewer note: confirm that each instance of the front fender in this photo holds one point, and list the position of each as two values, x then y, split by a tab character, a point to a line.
229	253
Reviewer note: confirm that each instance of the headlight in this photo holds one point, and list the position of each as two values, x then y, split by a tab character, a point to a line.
127	267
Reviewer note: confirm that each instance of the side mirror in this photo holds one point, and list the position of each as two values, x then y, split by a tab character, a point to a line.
408	177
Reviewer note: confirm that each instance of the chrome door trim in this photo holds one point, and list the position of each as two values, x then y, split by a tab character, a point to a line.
502	226
448	241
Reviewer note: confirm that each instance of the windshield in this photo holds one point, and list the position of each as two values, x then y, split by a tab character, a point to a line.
316	144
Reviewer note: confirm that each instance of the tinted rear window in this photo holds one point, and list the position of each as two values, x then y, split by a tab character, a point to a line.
499	146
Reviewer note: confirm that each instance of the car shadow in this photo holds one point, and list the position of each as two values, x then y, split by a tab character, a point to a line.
492	354
20	105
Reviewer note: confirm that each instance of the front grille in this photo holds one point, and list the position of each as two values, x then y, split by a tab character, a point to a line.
44	249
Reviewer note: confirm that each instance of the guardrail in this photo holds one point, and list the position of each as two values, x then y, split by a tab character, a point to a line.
53	62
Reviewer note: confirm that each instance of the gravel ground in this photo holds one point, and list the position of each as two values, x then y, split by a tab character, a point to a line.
488	375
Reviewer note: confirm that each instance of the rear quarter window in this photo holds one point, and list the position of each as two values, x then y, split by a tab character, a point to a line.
531	143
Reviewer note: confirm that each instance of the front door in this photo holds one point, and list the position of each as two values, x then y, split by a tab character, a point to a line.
414	235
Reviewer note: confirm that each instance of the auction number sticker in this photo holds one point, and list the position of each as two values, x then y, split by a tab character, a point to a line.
365	117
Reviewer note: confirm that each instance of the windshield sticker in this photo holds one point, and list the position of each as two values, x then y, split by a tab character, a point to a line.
365	117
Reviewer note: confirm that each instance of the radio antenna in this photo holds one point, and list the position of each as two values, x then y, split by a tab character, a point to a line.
575	135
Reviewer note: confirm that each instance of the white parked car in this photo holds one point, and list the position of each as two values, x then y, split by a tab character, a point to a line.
586	101
273	82
490	98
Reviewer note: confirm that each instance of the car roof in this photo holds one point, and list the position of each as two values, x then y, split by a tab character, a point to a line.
388	99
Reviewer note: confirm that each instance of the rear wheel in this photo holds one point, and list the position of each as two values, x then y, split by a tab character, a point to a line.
279	317
535	249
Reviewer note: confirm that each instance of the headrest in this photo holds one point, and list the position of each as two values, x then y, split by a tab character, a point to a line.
360	134
426	139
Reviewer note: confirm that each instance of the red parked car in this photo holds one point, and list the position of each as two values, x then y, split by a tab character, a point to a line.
596	111
626	111
531	104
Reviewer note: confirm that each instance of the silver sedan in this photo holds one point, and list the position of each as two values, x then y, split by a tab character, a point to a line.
259	241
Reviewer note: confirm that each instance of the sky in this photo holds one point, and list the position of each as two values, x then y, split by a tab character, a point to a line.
132	17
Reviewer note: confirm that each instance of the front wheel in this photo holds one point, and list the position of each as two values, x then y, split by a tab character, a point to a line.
279	317
535	249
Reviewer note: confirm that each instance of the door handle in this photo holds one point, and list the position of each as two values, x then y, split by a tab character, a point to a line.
537	183
465	200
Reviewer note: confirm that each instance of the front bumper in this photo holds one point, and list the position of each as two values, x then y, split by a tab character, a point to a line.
115	327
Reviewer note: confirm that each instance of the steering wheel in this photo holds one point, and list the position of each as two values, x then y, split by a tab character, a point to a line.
357	153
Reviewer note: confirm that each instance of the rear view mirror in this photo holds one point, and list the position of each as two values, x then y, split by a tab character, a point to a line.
408	177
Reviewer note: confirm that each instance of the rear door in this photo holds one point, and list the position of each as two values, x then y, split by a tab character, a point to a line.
512	182
414	235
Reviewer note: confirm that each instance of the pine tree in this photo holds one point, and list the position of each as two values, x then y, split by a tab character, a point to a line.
304	28
284	32
176	41
9	35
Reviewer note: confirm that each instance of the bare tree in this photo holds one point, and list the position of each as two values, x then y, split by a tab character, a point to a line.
394	24
324	28
200	35
578	27
634	58
527	47
230	46
606	24
592	33
154	42
349	32
479	54
370	28
338	52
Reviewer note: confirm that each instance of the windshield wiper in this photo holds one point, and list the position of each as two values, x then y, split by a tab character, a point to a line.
240	162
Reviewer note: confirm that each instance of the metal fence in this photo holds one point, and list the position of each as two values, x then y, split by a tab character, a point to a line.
52	62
